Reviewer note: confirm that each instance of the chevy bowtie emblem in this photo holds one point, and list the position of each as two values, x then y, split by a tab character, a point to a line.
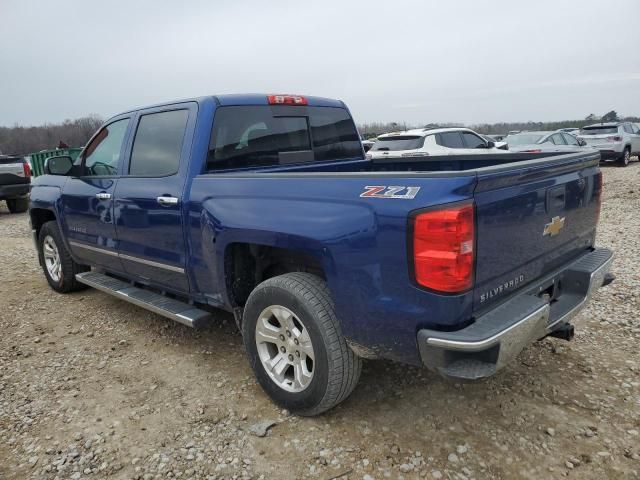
553	228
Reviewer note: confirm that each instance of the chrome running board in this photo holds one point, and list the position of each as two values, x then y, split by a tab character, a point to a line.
168	307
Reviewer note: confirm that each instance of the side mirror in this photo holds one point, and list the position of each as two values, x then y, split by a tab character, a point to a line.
491	144
58	165
581	142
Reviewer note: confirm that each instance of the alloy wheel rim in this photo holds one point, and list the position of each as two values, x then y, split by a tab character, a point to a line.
285	348
52	258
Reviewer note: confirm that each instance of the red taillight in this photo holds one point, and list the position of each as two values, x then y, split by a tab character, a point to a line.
532	151
615	138
286	100
443	248
27	169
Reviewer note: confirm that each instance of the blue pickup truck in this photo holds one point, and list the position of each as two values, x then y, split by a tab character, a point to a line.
266	206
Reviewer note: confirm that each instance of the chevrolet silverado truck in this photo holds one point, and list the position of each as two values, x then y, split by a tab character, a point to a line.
15	181
266	206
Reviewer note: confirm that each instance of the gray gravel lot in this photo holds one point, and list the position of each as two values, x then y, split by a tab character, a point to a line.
91	387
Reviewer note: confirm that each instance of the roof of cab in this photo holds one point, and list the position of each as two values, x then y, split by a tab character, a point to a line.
240	99
261	99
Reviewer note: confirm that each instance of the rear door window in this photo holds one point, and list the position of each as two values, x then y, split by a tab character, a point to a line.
558	139
259	136
158	143
450	140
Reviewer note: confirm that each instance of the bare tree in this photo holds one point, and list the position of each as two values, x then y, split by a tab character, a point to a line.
23	140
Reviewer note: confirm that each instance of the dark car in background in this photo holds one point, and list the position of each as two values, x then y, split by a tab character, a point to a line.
15	180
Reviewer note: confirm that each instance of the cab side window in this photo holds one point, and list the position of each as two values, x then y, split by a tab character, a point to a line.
102	155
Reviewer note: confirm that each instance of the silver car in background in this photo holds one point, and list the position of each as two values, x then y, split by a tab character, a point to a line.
536	142
615	140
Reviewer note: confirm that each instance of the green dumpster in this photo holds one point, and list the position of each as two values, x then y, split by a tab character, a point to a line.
37	159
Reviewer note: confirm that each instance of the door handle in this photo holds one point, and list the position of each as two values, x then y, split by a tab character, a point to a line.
103	195
167	201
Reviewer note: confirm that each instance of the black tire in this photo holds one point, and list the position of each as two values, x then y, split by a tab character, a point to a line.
625	158
67	281
336	368
18	205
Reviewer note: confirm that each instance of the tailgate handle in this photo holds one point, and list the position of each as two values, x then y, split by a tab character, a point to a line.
556	198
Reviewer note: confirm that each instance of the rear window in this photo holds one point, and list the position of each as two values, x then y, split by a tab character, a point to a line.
598	130
523	139
258	136
396	143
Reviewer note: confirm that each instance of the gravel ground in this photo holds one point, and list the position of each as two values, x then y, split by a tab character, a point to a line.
92	387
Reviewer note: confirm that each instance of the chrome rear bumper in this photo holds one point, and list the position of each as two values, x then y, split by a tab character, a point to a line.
498	336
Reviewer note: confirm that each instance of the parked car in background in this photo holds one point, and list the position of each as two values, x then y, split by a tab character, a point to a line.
536	142
15	179
432	141
615	140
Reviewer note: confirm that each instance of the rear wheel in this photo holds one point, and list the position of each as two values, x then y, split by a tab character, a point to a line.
57	264
295	345
626	157
18	205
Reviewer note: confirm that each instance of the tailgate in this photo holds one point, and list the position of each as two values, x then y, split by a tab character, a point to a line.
11	170
532	218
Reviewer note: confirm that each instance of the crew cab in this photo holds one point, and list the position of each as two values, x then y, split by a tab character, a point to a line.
15	180
266	206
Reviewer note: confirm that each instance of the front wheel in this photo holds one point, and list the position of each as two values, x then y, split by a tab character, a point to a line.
18	205
57	264
295	345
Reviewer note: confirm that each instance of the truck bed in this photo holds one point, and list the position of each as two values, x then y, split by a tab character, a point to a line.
427	163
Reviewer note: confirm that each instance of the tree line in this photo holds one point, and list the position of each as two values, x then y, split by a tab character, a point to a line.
21	140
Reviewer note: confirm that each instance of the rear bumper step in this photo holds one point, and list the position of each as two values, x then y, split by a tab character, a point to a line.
498	336
168	307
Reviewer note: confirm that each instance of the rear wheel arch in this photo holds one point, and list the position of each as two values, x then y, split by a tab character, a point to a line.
246	265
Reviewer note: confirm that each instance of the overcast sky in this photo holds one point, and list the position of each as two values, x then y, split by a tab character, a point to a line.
424	61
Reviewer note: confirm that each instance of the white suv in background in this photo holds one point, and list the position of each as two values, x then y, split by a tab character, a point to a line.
615	140
432	141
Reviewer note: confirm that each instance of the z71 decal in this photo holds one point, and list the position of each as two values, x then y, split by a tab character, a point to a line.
382	191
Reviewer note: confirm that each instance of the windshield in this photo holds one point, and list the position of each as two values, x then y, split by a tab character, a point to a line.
598	130
523	139
393	144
